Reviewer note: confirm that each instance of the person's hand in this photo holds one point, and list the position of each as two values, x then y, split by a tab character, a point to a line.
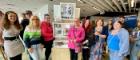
30	50
97	33
1	42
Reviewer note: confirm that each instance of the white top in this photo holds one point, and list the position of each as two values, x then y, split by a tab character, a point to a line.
15	47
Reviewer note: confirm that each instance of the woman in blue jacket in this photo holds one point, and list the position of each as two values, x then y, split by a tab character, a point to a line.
118	42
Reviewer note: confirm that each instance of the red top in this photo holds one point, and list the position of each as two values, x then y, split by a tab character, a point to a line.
47	31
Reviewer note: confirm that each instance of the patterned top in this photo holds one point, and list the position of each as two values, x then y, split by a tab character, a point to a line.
31	36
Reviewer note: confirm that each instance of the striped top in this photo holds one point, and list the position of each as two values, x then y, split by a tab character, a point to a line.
32	36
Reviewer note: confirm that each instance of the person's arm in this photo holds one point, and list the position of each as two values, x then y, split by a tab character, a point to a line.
104	33
1	39
69	37
99	34
82	35
124	42
26	38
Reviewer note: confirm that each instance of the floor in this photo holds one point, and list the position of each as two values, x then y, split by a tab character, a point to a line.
25	56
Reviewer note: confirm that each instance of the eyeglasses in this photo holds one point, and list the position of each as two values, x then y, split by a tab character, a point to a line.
35	19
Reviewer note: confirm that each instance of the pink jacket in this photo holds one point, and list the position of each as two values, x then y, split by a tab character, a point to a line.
75	33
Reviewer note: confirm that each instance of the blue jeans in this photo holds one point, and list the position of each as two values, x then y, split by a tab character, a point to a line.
114	56
36	54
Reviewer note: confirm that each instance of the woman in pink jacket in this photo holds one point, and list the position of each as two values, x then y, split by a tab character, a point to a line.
75	36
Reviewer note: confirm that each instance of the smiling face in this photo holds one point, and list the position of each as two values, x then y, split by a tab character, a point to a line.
47	18
12	17
76	22
35	21
99	22
87	23
117	25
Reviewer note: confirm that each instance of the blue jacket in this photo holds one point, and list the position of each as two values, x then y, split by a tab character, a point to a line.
124	42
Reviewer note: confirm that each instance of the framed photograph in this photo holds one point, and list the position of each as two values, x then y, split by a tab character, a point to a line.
57	29
67	11
57	13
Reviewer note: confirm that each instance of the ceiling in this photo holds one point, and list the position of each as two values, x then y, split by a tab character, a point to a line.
88	7
108	7
21	5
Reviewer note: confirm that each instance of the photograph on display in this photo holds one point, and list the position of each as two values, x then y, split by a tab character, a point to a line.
67	11
58	29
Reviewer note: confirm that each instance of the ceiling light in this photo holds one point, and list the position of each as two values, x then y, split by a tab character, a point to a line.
132	3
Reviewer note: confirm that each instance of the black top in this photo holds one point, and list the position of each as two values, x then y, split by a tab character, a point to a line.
24	23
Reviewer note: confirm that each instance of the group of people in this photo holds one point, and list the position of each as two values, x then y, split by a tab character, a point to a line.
35	34
92	38
86	36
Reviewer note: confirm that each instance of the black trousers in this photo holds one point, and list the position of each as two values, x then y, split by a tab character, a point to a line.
73	55
85	53
18	57
48	47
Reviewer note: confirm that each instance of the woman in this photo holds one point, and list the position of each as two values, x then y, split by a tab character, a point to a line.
118	42
10	31
88	40
109	28
136	42
110	25
32	38
47	35
100	34
75	36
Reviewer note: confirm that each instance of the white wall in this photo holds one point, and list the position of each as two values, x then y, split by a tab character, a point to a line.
42	11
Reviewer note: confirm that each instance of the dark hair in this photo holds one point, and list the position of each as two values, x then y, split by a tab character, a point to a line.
88	17
46	15
82	17
98	19
89	28
121	17
28	12
120	23
1	13
6	22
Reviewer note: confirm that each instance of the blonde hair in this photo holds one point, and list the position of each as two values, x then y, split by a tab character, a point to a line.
31	21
